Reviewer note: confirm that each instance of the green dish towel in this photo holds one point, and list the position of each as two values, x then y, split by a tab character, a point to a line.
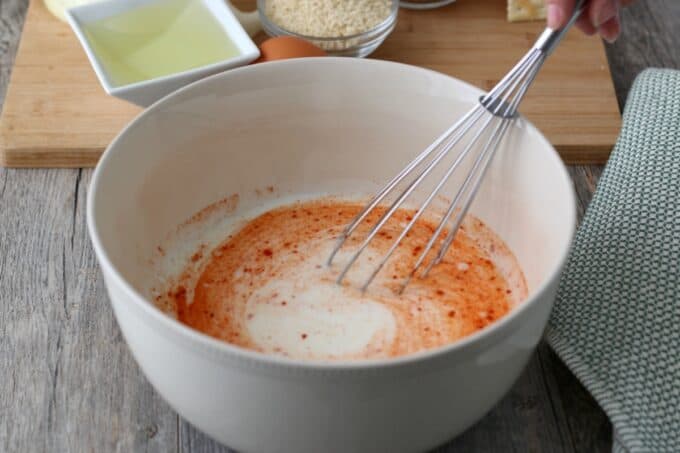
616	321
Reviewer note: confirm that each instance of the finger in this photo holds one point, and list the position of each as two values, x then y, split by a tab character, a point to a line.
611	29
585	26
558	12
601	11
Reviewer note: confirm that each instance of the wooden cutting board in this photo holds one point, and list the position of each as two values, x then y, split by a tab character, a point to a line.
57	115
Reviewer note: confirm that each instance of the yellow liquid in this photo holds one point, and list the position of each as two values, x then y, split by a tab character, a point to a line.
159	39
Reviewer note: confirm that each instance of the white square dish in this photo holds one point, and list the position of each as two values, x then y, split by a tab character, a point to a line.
146	92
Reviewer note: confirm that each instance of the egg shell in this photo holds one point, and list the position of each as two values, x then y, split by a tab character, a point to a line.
284	47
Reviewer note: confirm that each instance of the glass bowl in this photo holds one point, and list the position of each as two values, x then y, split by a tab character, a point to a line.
357	45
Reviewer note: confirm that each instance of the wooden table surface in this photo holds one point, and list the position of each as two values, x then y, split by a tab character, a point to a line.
68	382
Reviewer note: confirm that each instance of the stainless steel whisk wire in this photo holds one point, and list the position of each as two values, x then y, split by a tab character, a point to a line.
500	104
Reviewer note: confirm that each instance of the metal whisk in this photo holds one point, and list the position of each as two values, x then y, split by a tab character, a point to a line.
499	106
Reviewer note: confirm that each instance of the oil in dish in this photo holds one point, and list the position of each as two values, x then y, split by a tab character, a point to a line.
157	40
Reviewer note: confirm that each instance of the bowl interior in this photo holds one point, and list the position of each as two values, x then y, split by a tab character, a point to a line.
312	126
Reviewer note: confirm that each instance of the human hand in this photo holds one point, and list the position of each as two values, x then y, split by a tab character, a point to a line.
600	16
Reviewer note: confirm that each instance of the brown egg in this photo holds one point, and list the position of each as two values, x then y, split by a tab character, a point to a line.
283	47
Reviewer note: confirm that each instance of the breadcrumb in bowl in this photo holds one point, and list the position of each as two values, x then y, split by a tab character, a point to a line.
339	27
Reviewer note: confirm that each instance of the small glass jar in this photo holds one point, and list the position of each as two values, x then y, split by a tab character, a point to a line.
358	45
424	4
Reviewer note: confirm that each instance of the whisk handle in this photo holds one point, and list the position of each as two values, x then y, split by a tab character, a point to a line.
550	38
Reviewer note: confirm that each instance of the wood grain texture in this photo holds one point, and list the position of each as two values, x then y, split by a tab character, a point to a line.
12	15
55	110
588	427
68	382
56	114
650	38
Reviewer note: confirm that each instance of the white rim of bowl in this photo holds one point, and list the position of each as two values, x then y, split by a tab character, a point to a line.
246	356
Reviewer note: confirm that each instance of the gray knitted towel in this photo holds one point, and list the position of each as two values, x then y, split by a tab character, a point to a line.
616	322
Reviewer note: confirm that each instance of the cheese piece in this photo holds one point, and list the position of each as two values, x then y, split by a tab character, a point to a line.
521	10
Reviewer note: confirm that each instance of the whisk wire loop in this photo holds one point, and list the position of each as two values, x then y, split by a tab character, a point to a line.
409	189
377	199
492	146
507	112
498	106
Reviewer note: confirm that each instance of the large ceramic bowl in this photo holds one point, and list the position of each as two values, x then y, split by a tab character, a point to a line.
318	125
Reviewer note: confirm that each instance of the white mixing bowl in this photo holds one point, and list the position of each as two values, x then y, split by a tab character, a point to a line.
318	125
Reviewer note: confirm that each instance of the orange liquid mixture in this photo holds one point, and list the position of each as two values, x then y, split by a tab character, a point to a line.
267	286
